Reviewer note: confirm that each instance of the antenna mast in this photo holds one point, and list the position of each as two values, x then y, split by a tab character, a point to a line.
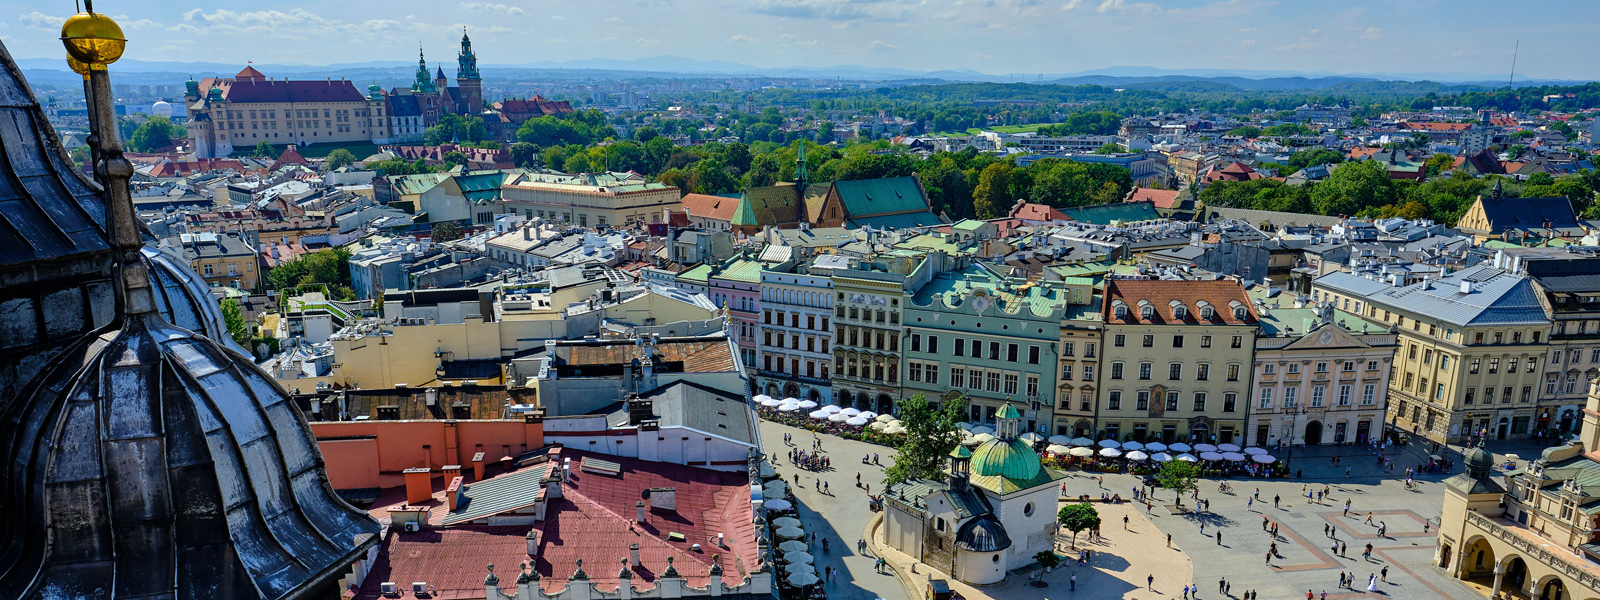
1514	50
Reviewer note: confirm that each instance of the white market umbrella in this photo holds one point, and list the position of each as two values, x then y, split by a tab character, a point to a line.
1137	455
838	417
980	430
786	522
965	426
1082	451
798	557
850	412
1204	448
778	504
1227	447
855	422
1058	449
832	408
794	546
790	532
775	489
1132	446
1210	456
1179	447
983	437
1109	444
761	398
1263	459
1082	441
1161	457
895	428
808	404
1155	446
767	471
789	408
883	418
878	426
1185	458
1110	452
1031	438
969	441
1060	440
799	567
867	414
1255	450
792	400
771	402
819	414
1232	456
802	579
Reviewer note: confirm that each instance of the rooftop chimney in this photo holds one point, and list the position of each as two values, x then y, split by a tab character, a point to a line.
1466	287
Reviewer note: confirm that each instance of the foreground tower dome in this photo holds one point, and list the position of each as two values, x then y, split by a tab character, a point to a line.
141	459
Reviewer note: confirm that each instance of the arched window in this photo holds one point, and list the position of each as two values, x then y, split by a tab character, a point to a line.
1180	313
1239	313
1120	311
1146	312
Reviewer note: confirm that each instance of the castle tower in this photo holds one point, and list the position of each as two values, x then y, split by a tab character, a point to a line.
422	83
443	85
467	77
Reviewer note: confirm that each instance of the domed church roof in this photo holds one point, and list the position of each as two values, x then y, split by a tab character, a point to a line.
1006	464
149	460
983	534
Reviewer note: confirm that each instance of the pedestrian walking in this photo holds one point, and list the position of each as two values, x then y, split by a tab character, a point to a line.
1125	523
1263	522
1169	540
1074	582
1102	481
1385	573
1250	504
1369	519
1347	471
1219	537
1346	508
1150	582
1269	559
1343	547
1274	501
1324	530
1202	527
1222	585
1341	580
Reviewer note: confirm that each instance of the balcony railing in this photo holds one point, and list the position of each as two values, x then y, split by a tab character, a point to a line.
1561	564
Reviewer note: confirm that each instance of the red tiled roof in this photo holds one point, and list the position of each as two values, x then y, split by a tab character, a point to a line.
711	207
268	90
592	521
1161	293
1038	212
452	560
536	105
1436	126
1233	172
1503	122
1360	152
290	156
249	72
1160	198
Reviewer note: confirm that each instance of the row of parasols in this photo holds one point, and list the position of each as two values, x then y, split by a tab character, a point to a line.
1061	445
853	417
797	560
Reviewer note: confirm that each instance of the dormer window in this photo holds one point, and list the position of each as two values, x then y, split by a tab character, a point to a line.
1206	313
1120	311
1239	313
1180	313
1146	312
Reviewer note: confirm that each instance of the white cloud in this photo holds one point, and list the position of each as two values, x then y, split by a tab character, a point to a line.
837	10
489	7
807	43
744	38
981	56
294	24
1072	5
882	45
39	19
1372	33
1107	6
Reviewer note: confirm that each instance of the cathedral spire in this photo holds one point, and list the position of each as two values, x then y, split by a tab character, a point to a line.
466	61
423	83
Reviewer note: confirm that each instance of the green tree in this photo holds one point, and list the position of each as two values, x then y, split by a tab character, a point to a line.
330	267
524	155
1047	559
1353	187
454	157
931	435
339	157
1078	518
154	134
445	231
264	150
993	195
1178	476
463	128
1109	148
233	318
645	134
1246	131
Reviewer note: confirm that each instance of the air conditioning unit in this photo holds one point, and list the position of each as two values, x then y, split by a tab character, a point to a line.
413	527
419	588
389	588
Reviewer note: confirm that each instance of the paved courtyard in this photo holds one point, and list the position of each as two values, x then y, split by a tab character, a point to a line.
1307	530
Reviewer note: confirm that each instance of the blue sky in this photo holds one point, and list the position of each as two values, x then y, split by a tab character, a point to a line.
994	36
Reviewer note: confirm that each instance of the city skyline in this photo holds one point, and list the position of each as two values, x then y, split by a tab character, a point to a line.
989	36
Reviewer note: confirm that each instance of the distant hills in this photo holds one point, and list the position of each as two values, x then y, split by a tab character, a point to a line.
53	72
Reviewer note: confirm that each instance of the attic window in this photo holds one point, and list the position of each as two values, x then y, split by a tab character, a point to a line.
1146	312
1207	314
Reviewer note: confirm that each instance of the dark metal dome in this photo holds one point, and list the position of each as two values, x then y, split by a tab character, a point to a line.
983	534
146	460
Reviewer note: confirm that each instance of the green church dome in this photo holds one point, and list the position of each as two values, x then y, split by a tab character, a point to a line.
1010	459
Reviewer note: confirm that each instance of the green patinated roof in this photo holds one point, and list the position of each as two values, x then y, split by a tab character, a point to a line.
1277	321
928	242
1104	214
1088	269
406	185
1006	466
1008	412
696	274
772	205
745	215
954	289
961	452
748	271
967	224
1077	281
900	221
480	185
887	196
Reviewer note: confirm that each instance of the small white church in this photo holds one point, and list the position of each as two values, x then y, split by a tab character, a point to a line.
995	509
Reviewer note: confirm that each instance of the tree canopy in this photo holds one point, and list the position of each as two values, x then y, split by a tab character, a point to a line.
930	436
1077	518
154	134
1178	476
339	157
330	267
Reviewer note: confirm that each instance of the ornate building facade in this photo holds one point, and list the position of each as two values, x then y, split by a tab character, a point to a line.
250	107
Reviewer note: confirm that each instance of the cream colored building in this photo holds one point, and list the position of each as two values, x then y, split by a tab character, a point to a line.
1321	377
1470	349
1177	358
1535	532
1081	341
587	199
249	108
